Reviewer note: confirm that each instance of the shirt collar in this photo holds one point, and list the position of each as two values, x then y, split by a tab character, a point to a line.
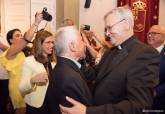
77	63
159	49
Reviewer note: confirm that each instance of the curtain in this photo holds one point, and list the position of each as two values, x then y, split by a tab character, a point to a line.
146	14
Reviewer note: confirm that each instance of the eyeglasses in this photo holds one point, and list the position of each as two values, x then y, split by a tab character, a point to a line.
109	28
49	42
153	33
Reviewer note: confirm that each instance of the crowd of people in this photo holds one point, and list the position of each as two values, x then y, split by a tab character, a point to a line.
77	72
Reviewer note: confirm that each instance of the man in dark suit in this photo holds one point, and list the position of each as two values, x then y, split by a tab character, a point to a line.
127	73
66	78
156	38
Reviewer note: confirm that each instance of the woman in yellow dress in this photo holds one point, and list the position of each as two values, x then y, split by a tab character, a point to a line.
13	58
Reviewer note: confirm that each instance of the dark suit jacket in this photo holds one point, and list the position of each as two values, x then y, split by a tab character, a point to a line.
125	79
66	80
159	100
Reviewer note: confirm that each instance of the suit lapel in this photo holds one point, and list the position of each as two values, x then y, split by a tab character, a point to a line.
70	63
107	60
119	58
115	59
122	54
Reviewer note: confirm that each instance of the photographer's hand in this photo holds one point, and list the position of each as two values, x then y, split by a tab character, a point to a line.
29	34
38	18
39	79
84	38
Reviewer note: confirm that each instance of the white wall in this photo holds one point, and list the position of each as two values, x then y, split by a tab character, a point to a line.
20	14
161	13
14	14
94	15
37	6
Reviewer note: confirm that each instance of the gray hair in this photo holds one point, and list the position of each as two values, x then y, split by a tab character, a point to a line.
64	36
124	13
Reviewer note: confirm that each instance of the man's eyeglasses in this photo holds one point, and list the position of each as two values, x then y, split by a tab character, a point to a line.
153	33
109	28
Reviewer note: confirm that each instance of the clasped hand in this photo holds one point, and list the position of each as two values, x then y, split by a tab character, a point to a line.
40	79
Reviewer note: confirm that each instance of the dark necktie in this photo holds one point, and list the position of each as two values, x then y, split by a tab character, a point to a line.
163	51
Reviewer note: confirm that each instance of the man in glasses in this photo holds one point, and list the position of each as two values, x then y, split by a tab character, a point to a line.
126	74
156	38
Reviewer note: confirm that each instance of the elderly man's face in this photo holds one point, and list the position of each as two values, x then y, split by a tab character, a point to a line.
114	29
80	46
155	38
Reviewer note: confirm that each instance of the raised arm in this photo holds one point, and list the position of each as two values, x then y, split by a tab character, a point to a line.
92	51
3	47
19	44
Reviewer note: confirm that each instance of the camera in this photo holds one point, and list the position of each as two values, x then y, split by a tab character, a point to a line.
86	27
46	15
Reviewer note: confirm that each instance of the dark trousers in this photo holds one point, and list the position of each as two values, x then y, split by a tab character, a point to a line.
33	110
159	104
4	96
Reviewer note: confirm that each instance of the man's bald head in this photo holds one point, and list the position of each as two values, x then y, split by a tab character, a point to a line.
156	36
157	29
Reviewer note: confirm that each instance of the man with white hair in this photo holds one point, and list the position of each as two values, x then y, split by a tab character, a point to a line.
126	74
66	78
156	38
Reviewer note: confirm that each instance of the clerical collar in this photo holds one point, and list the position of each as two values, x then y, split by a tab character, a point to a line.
126	43
119	47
